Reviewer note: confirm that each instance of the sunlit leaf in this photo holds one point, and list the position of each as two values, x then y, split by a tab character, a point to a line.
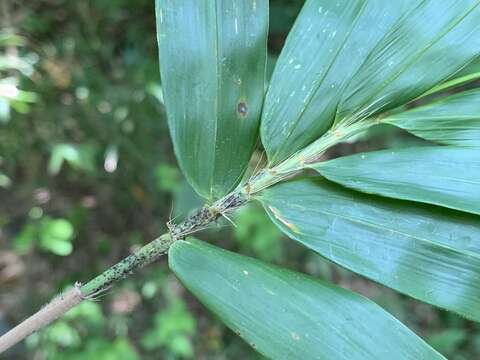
80	156
56	235
5	181
4	110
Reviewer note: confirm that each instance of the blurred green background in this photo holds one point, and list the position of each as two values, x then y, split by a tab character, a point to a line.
87	175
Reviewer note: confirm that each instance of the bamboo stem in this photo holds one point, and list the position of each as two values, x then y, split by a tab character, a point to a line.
49	313
199	220
147	254
71	298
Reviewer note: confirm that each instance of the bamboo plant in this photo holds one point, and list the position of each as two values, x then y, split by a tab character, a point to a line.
407	219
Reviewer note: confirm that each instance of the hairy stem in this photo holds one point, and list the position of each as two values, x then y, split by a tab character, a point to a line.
71	298
199	220
52	311
147	254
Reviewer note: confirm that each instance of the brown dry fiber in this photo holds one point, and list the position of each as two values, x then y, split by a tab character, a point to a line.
51	312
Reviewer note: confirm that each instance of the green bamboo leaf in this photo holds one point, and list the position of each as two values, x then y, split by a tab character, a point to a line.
457	81
288	315
429	45
421	250
347	60
454	120
212	61
444	176
324	49
472	68
470	73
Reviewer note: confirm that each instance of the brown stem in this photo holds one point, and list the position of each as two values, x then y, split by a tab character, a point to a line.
51	312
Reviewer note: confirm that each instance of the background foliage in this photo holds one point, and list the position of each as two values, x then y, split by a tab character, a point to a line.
87	174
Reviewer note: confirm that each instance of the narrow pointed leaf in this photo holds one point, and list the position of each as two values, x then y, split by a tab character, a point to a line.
454	120
425	48
424	251
456	82
470	69
347	60
288	315
212	62
326	46
444	176
470	73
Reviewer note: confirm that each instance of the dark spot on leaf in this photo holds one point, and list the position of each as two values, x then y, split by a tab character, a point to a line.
242	109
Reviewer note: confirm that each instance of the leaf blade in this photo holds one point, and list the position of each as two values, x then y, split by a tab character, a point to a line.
443	176
452	121
446	40
420	250
212	57
303	95
288	315
369	65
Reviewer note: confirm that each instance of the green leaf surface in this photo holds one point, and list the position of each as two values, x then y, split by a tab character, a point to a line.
347	60
212	63
471	69
421	250
459	80
426	47
444	176
315	67
288	315
453	121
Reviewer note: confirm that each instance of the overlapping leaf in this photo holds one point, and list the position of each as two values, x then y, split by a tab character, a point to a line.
212	60
429	253
454	120
428	45
471	72
468	75
346	60
445	176
287	315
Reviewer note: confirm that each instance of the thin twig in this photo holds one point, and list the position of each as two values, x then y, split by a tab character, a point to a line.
49	313
201	219
91	290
